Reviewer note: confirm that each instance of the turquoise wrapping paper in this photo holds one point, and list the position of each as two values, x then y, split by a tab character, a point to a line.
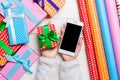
104	25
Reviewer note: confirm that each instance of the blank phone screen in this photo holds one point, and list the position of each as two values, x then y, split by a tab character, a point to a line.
71	37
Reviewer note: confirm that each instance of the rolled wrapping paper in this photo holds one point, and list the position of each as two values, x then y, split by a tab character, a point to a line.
114	29
104	25
88	41
97	40
118	8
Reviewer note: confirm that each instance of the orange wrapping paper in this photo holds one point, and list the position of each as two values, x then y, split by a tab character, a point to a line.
88	41
49	8
97	39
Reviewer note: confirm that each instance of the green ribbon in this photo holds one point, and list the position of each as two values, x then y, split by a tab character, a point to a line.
47	37
2	25
6	48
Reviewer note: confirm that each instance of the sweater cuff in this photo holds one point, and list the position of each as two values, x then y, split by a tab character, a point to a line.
49	61
69	63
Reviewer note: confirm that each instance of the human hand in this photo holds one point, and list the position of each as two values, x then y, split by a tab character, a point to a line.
50	53
67	57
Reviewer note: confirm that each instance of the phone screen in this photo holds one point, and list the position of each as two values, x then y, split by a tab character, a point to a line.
71	37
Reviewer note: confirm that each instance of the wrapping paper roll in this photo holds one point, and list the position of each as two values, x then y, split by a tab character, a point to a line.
97	39
107	39
114	29
118	8
88	41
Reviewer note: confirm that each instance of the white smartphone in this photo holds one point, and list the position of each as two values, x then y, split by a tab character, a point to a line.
70	38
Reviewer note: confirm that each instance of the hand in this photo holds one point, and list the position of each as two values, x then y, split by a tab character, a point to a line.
67	57
50	53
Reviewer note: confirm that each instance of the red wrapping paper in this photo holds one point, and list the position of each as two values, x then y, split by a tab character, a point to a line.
88	41
5	39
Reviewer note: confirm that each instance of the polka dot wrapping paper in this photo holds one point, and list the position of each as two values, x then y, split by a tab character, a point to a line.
114	29
5	39
88	41
104	25
50	6
97	39
118	8
51	27
1	18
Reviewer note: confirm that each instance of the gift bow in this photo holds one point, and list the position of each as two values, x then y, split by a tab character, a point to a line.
5	4
18	59
50	1
47	38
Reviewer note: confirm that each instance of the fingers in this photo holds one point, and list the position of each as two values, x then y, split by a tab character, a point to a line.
49	22
79	46
62	31
80	43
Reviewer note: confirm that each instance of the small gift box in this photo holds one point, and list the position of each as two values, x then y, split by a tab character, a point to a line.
5	47
47	37
16	24
19	63
33	13
50	6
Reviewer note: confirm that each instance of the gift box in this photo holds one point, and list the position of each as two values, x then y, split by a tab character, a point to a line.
19	63
33	13
5	40
16	24
50	6
47	37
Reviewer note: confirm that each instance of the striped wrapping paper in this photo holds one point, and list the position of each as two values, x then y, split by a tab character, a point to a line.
114	29
88	41
118	8
97	39
13	71
104	25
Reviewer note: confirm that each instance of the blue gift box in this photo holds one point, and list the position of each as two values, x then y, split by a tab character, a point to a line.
16	24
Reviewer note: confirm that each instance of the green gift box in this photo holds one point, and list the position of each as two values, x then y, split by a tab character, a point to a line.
47	36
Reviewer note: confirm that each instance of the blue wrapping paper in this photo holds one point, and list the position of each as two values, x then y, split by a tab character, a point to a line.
17	29
104	25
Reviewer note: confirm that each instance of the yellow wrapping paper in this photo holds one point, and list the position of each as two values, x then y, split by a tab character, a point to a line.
97	39
49	8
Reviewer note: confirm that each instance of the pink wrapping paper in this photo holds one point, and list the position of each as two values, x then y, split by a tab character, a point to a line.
4	72
114	29
35	9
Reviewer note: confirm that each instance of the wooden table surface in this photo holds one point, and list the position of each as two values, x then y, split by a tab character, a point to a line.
69	11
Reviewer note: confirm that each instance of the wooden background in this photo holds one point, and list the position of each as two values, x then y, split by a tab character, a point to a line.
69	11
